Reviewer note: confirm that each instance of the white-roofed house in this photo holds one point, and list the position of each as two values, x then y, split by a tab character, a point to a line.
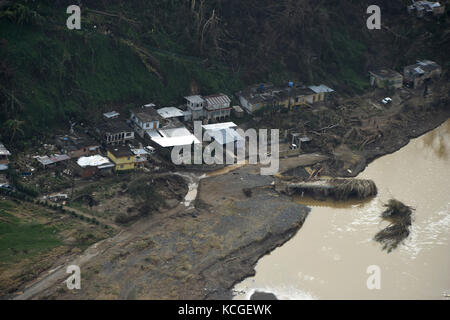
89	166
175	137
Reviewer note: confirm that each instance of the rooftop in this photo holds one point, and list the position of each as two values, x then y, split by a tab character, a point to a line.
175	137
217	99
195	99
174	132
146	114
76	141
3	150
47	160
111	115
93	161
386	73
224	136
114	126
321	88
423	66
218	126
121	151
170	112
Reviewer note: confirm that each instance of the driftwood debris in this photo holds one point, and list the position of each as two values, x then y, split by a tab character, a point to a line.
399	215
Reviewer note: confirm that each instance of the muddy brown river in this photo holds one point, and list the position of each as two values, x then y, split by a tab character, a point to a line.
329	256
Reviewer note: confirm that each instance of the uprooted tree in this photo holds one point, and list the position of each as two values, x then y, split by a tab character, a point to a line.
399	215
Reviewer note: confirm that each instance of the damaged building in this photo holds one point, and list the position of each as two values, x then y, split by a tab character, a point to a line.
426	8
417	74
76	145
113	130
386	78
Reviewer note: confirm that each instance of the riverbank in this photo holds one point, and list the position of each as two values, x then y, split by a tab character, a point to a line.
340	239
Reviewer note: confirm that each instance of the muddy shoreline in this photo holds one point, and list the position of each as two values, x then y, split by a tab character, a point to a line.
421	129
371	155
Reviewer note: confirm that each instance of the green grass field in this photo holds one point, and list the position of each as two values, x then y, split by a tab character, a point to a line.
20	239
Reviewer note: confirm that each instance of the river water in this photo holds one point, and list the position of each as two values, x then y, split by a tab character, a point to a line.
328	258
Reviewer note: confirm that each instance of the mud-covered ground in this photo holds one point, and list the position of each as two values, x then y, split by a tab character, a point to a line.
196	253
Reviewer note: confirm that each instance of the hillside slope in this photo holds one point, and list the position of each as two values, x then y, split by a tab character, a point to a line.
136	51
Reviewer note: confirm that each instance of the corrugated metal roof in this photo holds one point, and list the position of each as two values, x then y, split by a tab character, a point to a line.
217	99
46	160
323	88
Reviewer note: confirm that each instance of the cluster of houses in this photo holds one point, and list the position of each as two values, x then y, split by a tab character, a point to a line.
414	76
168	127
426	8
117	142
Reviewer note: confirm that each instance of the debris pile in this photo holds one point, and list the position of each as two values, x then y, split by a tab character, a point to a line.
400	217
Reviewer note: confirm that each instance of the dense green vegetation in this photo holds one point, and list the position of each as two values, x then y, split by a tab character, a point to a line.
137	51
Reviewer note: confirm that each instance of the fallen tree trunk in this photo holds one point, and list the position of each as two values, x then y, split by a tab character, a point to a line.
338	189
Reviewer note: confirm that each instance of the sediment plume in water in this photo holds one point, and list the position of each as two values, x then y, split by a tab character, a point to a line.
400	216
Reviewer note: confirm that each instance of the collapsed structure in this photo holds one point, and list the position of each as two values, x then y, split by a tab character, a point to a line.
423	8
78	144
386	78
417	74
